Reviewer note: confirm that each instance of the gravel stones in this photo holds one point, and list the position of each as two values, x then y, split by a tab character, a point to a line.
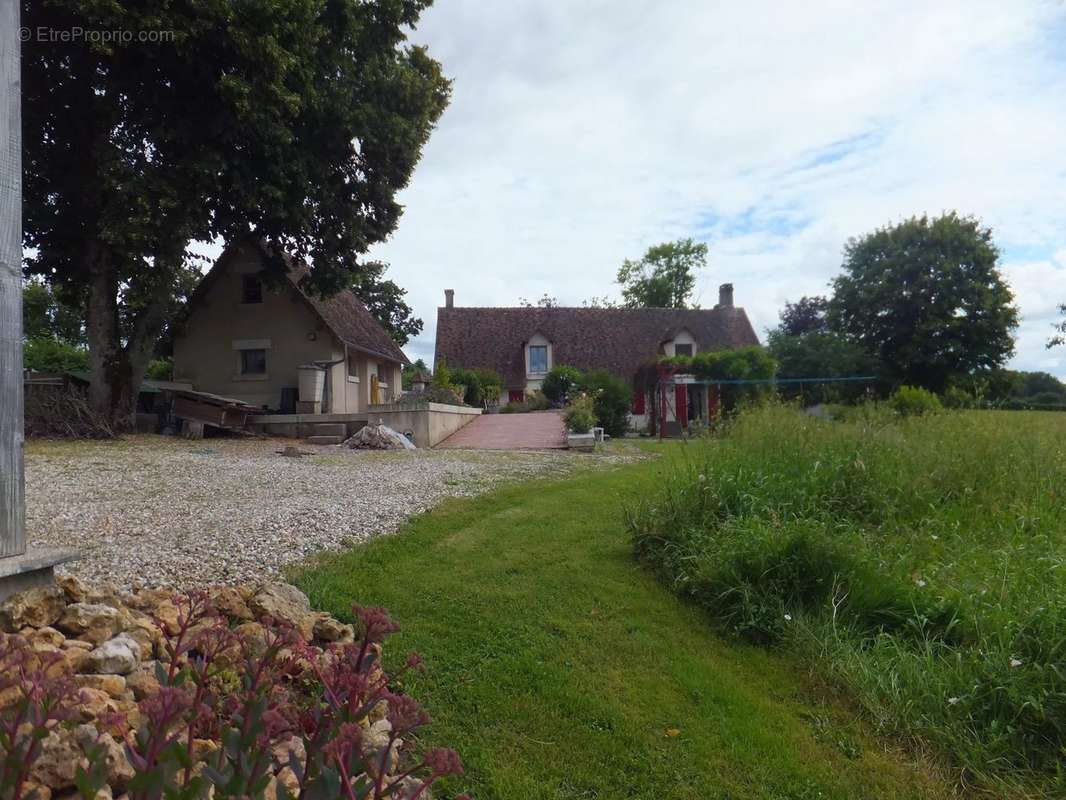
163	511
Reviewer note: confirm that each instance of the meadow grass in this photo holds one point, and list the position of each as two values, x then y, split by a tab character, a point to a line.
918	562
559	668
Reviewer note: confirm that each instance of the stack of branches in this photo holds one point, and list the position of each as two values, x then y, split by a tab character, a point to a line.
65	413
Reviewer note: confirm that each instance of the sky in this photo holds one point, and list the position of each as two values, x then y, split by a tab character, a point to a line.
582	132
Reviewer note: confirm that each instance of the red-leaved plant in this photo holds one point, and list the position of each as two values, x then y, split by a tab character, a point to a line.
232	709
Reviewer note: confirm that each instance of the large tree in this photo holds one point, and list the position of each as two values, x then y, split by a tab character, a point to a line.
384	299
806	315
927	298
664	277
295	120
1060	330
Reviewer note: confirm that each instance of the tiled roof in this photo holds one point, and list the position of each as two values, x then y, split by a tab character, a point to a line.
350	321
620	340
343	313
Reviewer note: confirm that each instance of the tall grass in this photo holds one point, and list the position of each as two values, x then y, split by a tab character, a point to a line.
919	562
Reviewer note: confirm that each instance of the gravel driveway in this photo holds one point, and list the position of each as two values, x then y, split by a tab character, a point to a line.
155	510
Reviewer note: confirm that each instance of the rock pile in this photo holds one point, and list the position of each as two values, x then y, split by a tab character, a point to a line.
110	644
378	437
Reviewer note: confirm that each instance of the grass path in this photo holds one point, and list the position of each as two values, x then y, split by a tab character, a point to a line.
559	669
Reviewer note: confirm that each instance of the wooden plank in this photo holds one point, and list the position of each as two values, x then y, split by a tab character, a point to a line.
12	487
186	408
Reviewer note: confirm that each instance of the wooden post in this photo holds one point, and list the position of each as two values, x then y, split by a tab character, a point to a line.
19	569
12	500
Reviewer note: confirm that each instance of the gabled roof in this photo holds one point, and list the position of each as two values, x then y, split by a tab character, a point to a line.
350	320
345	316
620	340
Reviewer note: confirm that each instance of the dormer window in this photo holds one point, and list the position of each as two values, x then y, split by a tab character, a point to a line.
538	359
682	349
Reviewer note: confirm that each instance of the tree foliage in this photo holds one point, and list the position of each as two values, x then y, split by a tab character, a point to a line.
665	277
820	354
1060	330
385	301
297	121
48	312
927	298
806	315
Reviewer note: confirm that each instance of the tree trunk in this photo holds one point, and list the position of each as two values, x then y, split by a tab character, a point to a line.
101	330
117	369
12	487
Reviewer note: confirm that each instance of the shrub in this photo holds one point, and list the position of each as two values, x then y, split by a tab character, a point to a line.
533	402
914	401
741	363
580	416
160	369
612	398
559	382
45	354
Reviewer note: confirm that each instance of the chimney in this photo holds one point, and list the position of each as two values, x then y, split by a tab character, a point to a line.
449	298
725	295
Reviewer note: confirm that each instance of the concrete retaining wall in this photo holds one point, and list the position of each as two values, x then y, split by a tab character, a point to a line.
427	424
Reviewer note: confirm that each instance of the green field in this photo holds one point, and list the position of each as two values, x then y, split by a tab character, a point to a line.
560	667
917	563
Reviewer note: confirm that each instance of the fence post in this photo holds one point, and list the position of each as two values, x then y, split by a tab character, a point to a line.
19	569
12	505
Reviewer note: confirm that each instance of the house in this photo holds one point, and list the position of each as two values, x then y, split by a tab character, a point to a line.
280	347
522	344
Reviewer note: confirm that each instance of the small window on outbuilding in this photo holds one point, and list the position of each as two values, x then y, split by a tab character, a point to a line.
353	365
253	362
682	349
251	289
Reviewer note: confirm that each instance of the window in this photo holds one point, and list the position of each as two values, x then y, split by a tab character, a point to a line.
251	289
538	358
516	396
353	366
682	349
253	362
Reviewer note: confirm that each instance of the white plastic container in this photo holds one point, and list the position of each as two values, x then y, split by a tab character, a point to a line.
312	383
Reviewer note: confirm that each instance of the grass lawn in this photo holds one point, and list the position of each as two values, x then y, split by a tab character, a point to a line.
559	668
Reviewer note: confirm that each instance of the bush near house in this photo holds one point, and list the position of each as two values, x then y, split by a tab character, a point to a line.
580	415
533	402
559	382
741	363
481	387
916	560
612	399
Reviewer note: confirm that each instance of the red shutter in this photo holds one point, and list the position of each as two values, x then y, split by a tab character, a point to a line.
638	402
681	405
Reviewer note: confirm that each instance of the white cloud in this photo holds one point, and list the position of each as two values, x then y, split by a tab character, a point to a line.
581	133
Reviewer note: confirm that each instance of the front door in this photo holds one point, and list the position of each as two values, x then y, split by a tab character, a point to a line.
681	405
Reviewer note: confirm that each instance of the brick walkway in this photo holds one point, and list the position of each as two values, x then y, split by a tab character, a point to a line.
537	430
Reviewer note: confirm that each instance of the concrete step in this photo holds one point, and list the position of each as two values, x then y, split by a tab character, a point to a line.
324	439
328	429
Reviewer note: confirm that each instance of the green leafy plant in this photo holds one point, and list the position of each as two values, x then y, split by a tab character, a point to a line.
611	399
250	693
559	382
913	401
580	415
